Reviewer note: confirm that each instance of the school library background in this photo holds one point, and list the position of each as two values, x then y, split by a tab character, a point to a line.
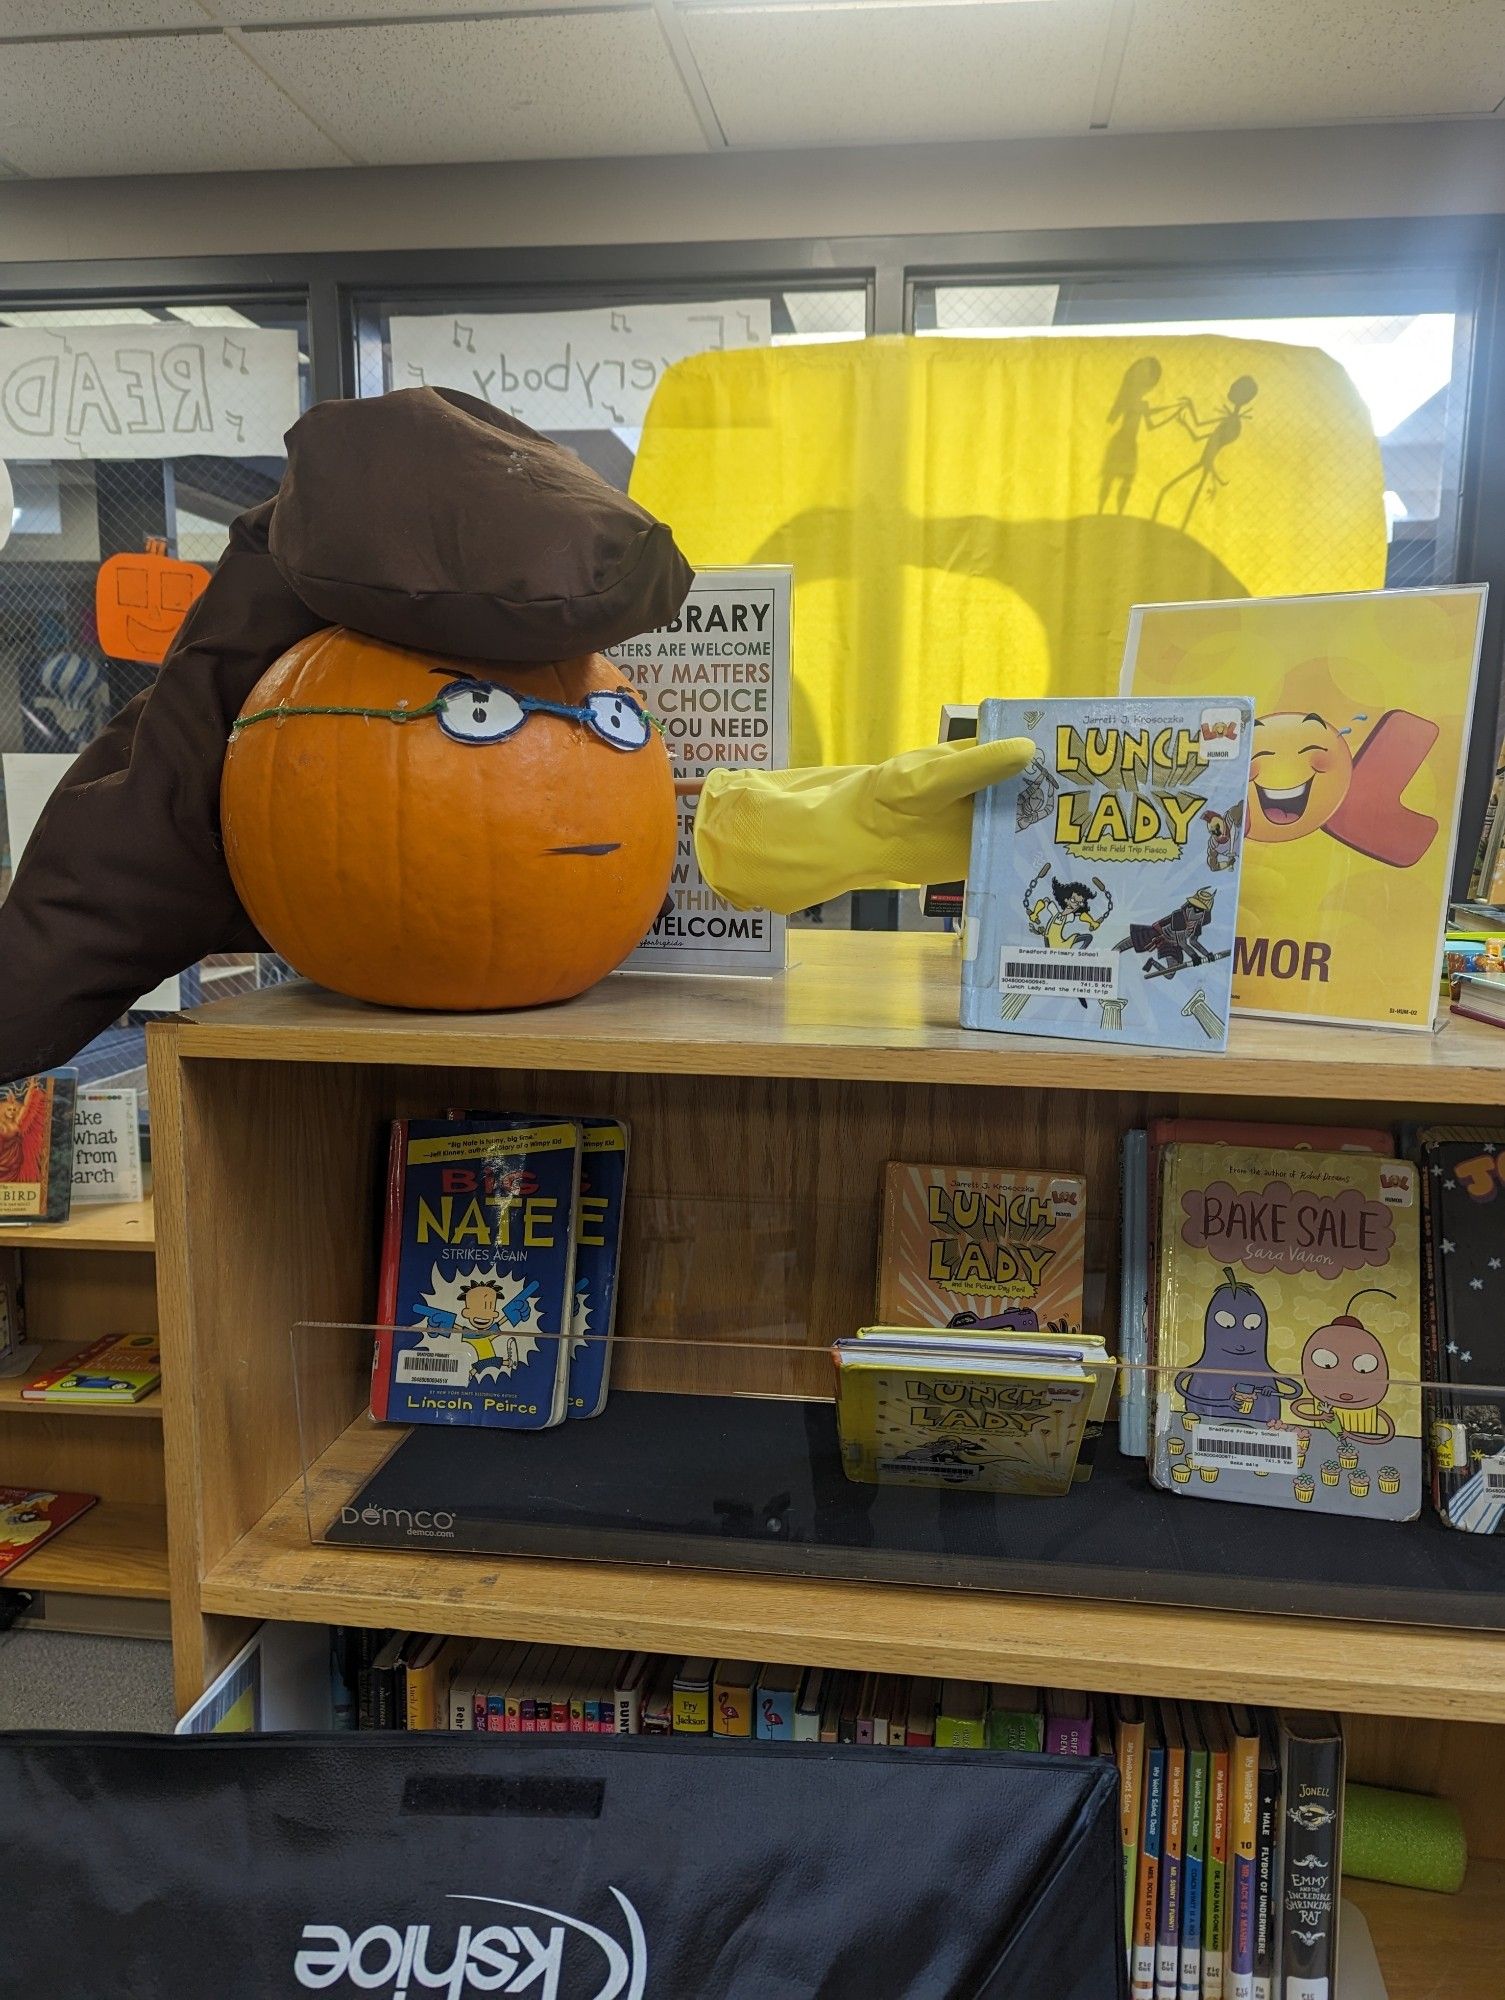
752	932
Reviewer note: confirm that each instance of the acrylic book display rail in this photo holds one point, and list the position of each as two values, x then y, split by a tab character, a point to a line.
726	1456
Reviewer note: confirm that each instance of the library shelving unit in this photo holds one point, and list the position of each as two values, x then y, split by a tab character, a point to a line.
91	1275
269	1116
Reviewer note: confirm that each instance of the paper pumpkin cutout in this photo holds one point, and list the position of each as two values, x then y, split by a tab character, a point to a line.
141	600
421	832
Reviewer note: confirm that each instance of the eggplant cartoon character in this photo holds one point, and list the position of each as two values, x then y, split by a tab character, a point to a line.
1232	1377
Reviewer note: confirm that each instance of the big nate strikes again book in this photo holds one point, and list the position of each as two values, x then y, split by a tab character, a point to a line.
1102	895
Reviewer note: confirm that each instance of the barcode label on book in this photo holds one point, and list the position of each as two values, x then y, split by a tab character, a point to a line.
1493	1472
1036	969
1237	1448
416	1366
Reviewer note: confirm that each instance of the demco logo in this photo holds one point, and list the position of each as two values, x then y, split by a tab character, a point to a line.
405	1518
540	1952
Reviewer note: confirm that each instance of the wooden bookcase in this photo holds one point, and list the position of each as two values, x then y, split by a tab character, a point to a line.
269	1118
92	1275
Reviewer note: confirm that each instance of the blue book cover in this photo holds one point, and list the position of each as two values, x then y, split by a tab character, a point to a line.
1102	895
598	1244
477	1272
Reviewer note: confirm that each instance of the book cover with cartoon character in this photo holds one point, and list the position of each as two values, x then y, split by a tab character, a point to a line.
988	1422
1362	710
477	1283
993	1248
29	1517
1104	880
1288	1333
36	1146
598	1245
1464	1217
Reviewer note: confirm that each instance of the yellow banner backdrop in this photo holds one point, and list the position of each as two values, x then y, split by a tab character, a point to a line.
976	517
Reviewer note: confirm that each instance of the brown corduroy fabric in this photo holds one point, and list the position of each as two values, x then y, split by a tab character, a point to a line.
402	516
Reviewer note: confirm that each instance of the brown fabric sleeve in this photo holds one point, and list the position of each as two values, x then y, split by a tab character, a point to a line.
124	880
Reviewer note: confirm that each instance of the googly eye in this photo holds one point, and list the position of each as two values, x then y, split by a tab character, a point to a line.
1323	1357
1222	1319
1365	1364
617	719
478	712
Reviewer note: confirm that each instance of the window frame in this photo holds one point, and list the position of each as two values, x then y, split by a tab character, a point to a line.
333	286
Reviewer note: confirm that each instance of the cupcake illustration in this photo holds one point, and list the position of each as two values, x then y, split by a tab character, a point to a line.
1389	1479
1358	1485
1188	1422
1175	1446
1348	1457
1305	1487
1330	1471
1303	1441
1209	1473
1181	1472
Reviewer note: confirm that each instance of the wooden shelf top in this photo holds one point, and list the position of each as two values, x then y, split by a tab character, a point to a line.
1433	1947
276	1572
55	1354
126	1225
859	1006
117	1549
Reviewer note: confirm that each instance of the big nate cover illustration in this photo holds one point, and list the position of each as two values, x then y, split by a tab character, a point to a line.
1362	709
1288	1336
1103	886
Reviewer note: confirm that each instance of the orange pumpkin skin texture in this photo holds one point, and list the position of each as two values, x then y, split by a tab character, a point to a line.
389	862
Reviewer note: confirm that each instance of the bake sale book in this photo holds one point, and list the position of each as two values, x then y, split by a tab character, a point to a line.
1103	888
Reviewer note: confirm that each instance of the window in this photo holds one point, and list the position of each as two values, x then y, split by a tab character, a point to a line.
126	430
1403	337
583	370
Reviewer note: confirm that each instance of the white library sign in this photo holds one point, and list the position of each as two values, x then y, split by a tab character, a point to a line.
716	679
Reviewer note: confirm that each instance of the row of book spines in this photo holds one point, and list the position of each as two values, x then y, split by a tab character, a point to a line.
1198	1789
419	1681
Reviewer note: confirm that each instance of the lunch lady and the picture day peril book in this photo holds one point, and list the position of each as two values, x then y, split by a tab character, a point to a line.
1102	894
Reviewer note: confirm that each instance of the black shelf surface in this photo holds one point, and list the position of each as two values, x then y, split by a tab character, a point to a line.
743	1483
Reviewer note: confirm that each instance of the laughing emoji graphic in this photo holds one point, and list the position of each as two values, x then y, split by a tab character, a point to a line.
1305	777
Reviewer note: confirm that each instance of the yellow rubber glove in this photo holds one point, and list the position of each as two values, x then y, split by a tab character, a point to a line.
782	840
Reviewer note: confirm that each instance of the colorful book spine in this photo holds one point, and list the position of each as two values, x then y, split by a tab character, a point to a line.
599	1214
1168	1929
732	1698
778	1687
1068	1723
1014	1721
1244	1827
1147	1898
1194	1861
1311	1845
1266	1885
1128	1754
692	1698
919	1723
960	1722
1215	1898
807	1708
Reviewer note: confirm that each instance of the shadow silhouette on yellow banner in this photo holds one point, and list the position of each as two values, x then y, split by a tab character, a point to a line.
976	517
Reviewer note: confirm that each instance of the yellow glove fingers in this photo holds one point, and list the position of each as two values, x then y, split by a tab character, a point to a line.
926	781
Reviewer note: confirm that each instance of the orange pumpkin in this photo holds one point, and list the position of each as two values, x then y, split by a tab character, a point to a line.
506	844
141	600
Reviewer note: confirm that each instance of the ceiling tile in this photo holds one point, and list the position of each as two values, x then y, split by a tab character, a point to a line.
1201	64
97	17
792	75
158	104
563	86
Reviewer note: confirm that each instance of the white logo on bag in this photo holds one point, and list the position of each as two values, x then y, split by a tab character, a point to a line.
497	1958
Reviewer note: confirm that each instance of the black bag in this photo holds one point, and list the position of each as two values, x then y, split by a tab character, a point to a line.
266	1868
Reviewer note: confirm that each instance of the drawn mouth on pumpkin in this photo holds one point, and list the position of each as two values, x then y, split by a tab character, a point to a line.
588	847
1286	806
144	637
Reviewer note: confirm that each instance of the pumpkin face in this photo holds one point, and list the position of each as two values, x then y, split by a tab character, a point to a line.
505	847
141	600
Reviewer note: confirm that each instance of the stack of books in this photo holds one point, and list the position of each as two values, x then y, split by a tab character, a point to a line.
499	1269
